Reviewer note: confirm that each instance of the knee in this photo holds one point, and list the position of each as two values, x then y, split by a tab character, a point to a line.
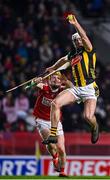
61	151
52	146
88	116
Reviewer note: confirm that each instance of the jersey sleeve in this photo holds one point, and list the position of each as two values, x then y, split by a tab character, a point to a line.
68	56
45	87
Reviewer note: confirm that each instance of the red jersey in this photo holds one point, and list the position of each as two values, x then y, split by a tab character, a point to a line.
43	102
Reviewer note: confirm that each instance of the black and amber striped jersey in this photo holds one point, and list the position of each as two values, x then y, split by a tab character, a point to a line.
83	73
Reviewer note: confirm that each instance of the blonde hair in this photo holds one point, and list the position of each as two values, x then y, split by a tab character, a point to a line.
58	73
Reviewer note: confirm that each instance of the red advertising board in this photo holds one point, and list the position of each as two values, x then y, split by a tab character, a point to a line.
82	165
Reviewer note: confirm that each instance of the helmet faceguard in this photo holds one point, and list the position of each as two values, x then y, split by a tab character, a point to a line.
75	38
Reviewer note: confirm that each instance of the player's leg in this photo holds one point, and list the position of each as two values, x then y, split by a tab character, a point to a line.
64	98
52	149
89	115
62	154
44	131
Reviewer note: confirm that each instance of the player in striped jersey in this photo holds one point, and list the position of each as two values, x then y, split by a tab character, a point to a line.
82	61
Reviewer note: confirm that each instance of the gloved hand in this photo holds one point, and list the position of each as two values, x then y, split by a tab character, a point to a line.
33	83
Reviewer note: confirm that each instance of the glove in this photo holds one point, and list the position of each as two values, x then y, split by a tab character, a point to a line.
32	84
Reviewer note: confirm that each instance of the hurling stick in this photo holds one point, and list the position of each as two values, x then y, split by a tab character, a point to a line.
20	85
46	76
64	66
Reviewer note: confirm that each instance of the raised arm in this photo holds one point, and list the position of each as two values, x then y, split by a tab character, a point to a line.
37	82
59	63
85	40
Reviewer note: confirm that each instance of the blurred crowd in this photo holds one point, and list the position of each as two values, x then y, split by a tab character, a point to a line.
33	35
93	8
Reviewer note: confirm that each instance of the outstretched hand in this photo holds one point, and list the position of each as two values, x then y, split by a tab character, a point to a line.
33	83
72	19
37	80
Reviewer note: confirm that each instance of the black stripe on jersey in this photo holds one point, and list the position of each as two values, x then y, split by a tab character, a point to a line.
77	75
84	69
91	67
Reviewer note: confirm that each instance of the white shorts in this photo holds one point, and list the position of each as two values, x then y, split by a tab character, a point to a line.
43	124
90	91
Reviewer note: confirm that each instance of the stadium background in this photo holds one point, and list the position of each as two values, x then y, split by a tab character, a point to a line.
33	35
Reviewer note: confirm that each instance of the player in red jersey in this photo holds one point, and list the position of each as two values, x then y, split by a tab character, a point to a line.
46	93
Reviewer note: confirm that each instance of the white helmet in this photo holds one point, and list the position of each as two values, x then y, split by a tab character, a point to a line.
75	36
